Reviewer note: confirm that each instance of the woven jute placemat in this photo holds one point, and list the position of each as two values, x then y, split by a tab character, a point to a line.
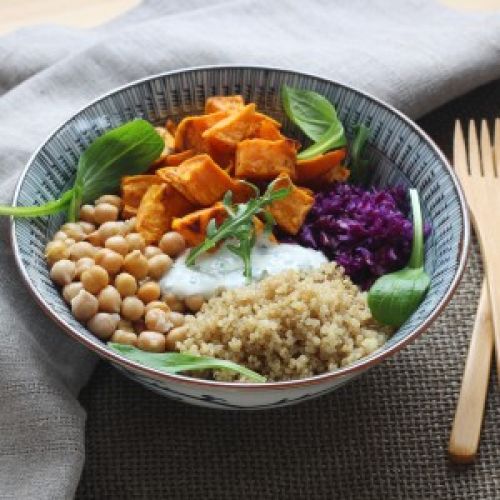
383	436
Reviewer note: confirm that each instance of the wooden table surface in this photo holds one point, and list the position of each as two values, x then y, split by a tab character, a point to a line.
15	14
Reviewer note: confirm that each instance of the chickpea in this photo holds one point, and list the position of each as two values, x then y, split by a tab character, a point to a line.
87	227
177	319
73	230
87	213
126	325
194	302
111	199
71	290
156	321
110	228
172	243
69	242
63	272
158	265
60	236
135	241
136	264
130	225
103	325
83	264
124	337
82	249
56	250
84	305
132	308
109	300
94	238
105	212
175	335
157	304
126	284
118	244
151	251
110	260
149	291
151	341
173	302
94	279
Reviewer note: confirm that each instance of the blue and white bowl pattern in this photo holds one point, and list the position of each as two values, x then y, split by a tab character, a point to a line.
400	153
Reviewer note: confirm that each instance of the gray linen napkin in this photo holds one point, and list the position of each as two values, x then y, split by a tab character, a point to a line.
414	54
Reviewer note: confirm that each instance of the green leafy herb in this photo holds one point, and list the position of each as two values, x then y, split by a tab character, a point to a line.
126	150
358	165
394	297
316	117
176	362
238	229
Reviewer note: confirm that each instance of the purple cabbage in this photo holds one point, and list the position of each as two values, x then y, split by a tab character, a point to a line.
366	231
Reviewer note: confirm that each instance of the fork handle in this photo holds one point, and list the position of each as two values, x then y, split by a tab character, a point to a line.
464	438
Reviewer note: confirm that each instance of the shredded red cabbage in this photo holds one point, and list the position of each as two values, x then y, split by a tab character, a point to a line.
366	231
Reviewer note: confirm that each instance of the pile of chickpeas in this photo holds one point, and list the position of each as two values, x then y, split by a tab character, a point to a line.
109	277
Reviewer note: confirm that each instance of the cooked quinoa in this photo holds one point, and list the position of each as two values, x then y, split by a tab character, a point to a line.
291	325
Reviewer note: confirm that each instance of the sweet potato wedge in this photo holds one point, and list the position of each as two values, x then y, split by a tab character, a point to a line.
193	226
308	170
224	103
133	188
290	212
159	205
174	159
189	132
261	159
269	129
199	179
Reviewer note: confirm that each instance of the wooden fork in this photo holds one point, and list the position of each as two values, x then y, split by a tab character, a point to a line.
479	175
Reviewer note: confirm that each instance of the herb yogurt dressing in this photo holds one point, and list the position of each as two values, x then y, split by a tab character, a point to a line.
223	269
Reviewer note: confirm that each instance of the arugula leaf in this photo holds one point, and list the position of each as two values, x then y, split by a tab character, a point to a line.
316	117
395	296
238	227
126	150
359	173
177	362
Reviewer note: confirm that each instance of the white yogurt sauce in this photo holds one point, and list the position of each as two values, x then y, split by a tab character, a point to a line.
223	269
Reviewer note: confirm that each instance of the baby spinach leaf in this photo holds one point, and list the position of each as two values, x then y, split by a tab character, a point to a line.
358	165
177	362
126	150
394	297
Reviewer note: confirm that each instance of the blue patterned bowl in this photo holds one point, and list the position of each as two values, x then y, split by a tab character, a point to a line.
400	152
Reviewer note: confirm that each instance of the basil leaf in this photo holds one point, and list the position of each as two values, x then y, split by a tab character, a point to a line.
177	362
310	111
333	138
393	298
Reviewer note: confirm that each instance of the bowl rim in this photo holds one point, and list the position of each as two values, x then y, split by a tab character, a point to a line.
361	365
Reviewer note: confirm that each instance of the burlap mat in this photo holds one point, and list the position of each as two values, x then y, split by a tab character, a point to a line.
383	436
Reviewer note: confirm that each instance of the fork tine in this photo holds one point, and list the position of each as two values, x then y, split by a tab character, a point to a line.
486	150
459	151
474	155
497	147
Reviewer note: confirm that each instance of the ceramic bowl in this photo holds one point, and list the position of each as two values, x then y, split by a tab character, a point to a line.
399	152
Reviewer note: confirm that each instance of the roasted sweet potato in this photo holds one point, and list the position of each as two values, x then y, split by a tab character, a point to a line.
199	179
290	212
188	134
235	127
193	226
308	170
224	103
152	219
261	159
133	188
159	205
242	192
174	159
269	129
168	139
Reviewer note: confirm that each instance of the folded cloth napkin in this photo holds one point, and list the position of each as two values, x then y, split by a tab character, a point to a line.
414	54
